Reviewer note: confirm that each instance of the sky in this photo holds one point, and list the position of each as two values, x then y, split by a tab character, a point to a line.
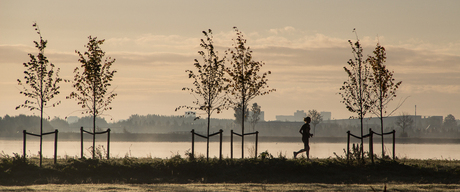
303	43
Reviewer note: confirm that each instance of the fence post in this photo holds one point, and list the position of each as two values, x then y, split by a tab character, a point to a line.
231	144
94	142
81	136
24	144
394	133
193	144
348	145
108	143
257	139
55	144
371	144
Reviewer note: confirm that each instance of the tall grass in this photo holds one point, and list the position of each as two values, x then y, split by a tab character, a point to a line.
267	168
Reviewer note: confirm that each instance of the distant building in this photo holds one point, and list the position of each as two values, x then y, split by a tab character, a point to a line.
326	115
72	119
430	123
297	117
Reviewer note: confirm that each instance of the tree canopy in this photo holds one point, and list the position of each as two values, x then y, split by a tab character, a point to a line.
209	82
93	79
41	78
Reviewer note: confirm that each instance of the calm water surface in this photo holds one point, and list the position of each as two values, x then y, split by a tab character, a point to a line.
169	149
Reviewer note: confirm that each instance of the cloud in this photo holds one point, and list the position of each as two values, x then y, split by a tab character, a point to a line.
287	29
307	70
15	53
153	43
157	59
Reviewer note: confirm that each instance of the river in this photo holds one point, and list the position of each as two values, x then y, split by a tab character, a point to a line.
169	149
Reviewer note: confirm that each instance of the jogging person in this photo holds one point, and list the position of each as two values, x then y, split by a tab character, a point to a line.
305	131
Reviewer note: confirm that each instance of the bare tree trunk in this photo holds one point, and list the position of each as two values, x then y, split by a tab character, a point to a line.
41	114
94	119
362	139
242	112
41	130
242	131
207	136
381	126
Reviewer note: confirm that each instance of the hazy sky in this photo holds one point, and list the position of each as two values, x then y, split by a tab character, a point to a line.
303	43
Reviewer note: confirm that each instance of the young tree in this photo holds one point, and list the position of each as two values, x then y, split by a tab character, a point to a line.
384	86
245	82
356	91
92	80
404	121
316	118
255	117
209	82
42	81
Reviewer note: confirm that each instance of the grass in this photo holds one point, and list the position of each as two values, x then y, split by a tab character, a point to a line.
266	170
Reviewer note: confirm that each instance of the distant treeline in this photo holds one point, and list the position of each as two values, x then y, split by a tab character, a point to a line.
12	127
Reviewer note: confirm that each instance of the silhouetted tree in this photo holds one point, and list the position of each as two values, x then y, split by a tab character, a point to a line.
356	91
383	86
404	121
42	81
13	126
92	80
255	117
209	82
245	82
450	123
316	118
239	114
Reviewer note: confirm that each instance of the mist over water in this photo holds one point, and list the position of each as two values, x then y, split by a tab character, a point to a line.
169	149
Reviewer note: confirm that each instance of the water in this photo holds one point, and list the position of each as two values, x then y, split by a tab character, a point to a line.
169	149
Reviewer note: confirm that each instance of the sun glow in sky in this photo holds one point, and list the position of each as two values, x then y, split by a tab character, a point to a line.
303	43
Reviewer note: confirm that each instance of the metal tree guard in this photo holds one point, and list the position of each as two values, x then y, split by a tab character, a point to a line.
193	142
231	142
93	134
55	132
371	143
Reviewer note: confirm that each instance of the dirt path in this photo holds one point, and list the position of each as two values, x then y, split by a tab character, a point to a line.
234	187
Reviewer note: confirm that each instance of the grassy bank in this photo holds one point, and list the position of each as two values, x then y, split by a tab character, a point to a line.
16	171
